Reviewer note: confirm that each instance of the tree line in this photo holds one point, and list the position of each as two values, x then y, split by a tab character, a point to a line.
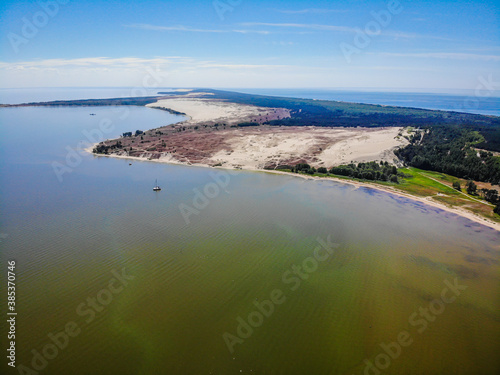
372	171
451	150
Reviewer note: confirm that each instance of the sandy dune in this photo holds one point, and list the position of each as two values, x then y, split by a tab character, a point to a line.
262	147
258	147
212	110
211	137
362	146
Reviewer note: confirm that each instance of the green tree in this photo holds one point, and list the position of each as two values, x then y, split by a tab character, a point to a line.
497	209
457	186
302	167
471	187
322	170
491	196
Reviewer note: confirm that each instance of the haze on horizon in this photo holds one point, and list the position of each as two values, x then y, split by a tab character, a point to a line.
420	45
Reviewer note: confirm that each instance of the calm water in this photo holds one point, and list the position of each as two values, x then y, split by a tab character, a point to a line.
195	281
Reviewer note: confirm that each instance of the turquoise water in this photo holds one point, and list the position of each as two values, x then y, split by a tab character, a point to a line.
192	279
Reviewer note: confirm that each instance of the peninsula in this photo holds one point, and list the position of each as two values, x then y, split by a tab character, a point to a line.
423	154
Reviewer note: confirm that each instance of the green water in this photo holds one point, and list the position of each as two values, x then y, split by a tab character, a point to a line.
191	283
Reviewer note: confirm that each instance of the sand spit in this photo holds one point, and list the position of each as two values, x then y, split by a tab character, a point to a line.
211	138
201	109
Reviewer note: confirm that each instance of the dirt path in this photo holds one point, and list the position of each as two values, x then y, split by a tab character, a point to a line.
461	192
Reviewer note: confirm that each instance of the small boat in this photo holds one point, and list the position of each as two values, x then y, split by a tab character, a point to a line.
92	114
156	188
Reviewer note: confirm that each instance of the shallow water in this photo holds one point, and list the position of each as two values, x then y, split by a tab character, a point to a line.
194	278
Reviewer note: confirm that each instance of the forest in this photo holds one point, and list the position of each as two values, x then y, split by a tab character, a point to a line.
452	150
371	171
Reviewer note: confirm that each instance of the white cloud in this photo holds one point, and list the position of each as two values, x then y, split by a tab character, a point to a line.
124	62
310	27
91	62
243	66
310	10
444	55
193	30
344	29
176	71
303	26
132	71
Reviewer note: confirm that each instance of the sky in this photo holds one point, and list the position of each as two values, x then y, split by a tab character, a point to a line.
350	44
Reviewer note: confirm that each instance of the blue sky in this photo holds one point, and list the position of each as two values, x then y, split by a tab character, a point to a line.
250	43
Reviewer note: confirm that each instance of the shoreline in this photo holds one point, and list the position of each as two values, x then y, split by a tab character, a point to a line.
425	200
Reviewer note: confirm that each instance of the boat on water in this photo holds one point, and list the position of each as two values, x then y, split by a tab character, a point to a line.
157	187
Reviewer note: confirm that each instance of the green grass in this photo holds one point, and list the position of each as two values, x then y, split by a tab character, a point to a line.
420	184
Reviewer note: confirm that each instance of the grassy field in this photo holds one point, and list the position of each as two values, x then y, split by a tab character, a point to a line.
439	187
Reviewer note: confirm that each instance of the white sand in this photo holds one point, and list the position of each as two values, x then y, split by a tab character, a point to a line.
364	146
340	146
253	149
200	110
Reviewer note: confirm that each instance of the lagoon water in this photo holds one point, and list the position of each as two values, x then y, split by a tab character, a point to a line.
192	282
